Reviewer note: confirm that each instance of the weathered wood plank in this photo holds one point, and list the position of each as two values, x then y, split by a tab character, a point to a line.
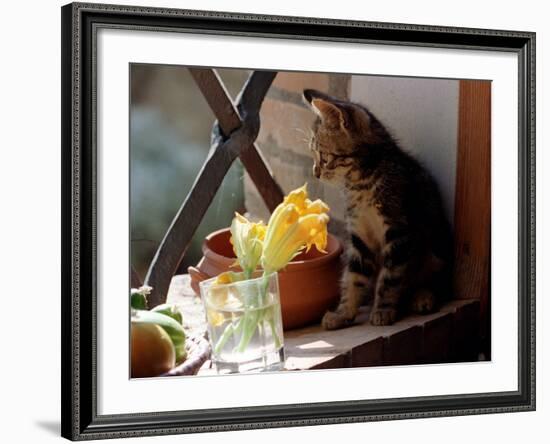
436	341
361	345
465	333
403	347
364	345
473	189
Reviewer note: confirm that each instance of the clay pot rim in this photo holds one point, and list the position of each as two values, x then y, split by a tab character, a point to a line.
292	266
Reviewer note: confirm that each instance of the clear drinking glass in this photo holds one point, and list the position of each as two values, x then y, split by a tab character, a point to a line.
244	324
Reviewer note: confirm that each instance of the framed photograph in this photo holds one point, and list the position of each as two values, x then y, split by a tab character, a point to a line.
278	221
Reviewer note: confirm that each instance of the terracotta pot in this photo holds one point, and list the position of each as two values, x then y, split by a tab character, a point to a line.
309	285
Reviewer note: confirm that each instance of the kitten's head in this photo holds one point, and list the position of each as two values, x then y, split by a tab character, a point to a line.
340	134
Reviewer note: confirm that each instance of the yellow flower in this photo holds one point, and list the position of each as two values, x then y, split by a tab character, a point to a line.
297	223
228	277
219	293
247	240
220	298
215	318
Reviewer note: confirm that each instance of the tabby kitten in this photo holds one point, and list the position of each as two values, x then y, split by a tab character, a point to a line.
400	248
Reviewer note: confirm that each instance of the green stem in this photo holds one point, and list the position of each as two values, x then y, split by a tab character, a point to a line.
250	321
274	332
253	319
229	331
271	320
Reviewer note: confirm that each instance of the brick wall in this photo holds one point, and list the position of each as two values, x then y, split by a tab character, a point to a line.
285	125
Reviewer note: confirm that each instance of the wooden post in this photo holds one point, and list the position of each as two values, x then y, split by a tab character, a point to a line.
473	197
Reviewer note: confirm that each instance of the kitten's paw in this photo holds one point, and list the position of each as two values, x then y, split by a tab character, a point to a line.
383	316
423	301
333	320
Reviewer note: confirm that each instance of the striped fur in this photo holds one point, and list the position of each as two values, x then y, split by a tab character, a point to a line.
399	251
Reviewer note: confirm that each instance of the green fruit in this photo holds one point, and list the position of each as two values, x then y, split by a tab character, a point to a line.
169	310
171	326
152	350
138	301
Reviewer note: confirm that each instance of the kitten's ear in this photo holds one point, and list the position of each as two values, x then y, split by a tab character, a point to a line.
326	108
310	94
329	113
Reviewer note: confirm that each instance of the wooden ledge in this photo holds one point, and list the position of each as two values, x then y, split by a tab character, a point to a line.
445	336
450	335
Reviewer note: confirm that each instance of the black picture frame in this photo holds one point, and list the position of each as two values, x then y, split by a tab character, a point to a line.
79	390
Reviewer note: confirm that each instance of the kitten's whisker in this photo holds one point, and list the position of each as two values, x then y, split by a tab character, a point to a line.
307	138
